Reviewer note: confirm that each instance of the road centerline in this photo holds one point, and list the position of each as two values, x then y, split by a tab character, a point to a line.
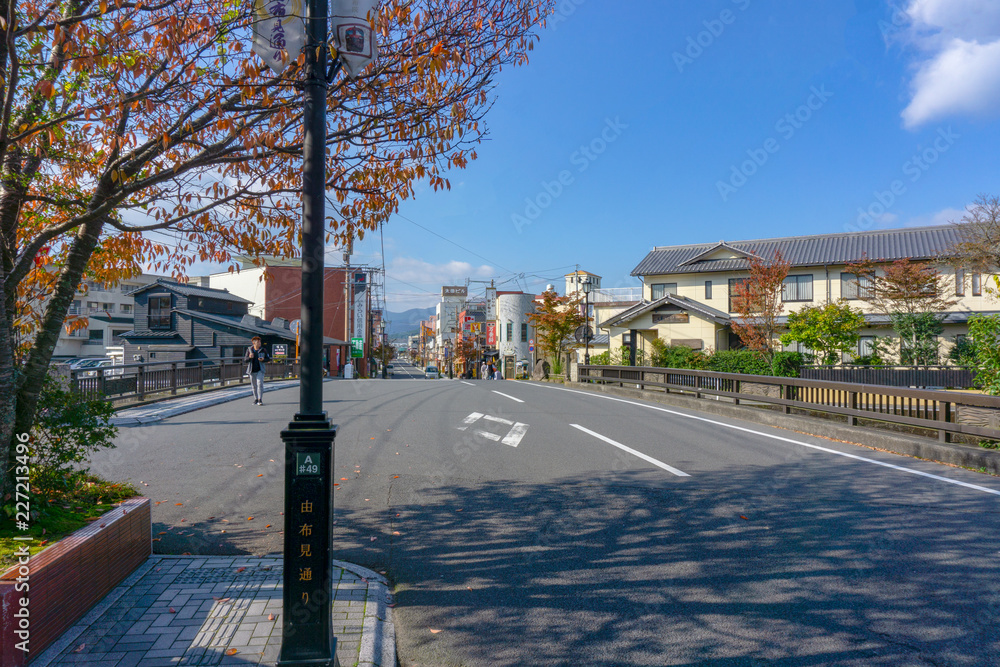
508	396
644	457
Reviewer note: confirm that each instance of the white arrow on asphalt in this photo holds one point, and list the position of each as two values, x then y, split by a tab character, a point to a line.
513	437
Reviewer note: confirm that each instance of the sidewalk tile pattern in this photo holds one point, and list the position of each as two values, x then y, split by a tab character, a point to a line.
198	610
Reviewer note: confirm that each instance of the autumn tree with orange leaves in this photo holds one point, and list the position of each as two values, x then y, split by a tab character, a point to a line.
756	299
146	135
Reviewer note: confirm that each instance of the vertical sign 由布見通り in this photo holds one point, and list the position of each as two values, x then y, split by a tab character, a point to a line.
279	31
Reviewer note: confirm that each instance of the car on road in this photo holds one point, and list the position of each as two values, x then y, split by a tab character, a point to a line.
431	372
388	369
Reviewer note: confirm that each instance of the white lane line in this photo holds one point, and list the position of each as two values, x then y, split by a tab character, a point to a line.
660	464
513	438
498	419
789	440
508	396
468	383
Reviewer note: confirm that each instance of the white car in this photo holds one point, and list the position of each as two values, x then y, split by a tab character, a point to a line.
90	370
431	372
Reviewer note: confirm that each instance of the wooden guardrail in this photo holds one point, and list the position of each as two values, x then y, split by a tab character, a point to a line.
945	412
134	382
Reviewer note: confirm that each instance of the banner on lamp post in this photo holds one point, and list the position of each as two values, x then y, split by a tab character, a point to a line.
353	36
279	31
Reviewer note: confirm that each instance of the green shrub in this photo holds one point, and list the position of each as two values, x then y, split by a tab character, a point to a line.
67	429
963	353
740	361
787	364
601	359
677	356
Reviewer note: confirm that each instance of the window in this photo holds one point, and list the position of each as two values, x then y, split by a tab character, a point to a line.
959	282
627	339
708	289
108	307
510	331
96	334
524	332
733	282
159	312
854	287
126	308
866	345
75	308
797	288
660	290
977	284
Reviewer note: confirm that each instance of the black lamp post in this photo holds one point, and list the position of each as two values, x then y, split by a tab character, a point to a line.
307	582
381	330
585	284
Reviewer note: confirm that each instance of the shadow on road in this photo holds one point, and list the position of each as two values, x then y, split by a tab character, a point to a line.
769	566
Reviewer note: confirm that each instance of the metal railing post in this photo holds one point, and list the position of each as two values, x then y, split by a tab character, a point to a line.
201	375
173	378
140	381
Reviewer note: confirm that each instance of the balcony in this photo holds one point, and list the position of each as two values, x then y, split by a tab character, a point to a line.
616	295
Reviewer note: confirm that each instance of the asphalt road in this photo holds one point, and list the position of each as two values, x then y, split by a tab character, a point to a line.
615	532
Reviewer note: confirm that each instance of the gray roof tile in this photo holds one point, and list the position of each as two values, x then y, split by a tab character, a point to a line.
887	244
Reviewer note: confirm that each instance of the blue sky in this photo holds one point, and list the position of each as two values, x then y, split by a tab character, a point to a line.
685	121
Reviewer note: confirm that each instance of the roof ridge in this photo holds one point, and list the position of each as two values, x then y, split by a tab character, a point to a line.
892	230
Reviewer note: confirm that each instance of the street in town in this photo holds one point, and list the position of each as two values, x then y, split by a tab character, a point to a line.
524	523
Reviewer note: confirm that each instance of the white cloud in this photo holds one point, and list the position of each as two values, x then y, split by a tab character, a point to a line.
422	275
959	71
943	217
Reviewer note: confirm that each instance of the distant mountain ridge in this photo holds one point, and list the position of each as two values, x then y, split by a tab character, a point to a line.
407	322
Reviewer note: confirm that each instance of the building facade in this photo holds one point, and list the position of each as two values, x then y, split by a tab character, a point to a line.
687	289
515	334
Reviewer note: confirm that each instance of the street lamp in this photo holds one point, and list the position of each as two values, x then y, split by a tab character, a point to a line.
585	283
381	332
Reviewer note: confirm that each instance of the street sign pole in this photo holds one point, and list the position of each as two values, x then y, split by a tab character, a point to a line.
307	632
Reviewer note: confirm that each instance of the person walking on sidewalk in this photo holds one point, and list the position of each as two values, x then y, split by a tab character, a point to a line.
256	356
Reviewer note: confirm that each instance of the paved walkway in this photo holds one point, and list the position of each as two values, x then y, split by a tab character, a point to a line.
171	407
198	610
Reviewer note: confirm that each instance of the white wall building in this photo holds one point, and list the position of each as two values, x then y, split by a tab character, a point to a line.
514	331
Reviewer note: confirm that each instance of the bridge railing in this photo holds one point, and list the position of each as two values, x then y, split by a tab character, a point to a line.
132	383
946	412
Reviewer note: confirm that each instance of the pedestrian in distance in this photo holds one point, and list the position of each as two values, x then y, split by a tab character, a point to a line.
482	371
256	356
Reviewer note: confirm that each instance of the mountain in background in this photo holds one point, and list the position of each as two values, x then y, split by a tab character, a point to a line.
406	323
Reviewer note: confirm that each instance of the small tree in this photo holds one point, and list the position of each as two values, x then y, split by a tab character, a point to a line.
467	351
830	330
555	321
984	331
913	295
757	301
979	248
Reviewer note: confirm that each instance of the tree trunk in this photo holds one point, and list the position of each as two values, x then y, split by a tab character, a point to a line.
36	367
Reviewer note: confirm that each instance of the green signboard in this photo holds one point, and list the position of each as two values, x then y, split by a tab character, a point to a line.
357	347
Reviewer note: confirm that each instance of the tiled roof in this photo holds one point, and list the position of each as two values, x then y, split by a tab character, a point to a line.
683	302
252	325
887	244
147	333
191	290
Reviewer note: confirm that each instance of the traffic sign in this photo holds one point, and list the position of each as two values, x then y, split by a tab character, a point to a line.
295	326
531	348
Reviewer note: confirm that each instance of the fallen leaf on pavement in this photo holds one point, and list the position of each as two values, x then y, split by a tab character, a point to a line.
373	538
179	504
162	532
434	631
220	599
270	617
249	518
272	460
79	648
172	610
261	475
395	476
343	479
268	526
240	569
232	651
395	532
744	518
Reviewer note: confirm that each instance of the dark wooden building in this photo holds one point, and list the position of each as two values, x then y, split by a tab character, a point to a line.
178	322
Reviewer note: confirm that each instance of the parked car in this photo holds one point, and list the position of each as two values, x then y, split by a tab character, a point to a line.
431	372
388	369
90	371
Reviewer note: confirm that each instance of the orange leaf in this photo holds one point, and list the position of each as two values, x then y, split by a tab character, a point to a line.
261	475
179	504
270	617
434	631
268	526
173	611
744	518
240	569
232	651
249	518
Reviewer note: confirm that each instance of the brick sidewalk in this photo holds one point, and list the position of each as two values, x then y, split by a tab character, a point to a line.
198	610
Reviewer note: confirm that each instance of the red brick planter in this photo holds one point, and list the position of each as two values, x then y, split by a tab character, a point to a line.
68	578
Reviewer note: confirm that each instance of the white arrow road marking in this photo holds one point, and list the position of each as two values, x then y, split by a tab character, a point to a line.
516	433
513	437
470	419
508	396
642	456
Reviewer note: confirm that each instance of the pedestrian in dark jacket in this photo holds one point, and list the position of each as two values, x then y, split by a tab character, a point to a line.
255	358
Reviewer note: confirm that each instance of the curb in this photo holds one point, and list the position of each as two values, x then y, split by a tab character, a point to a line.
967	456
378	635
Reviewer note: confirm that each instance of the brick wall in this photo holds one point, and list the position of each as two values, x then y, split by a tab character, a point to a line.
68	578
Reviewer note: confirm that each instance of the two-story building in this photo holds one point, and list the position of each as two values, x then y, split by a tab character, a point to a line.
182	322
687	289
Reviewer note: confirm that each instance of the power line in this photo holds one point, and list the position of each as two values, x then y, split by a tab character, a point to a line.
471	252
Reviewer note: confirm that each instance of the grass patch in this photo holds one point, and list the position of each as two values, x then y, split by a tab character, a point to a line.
61	513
